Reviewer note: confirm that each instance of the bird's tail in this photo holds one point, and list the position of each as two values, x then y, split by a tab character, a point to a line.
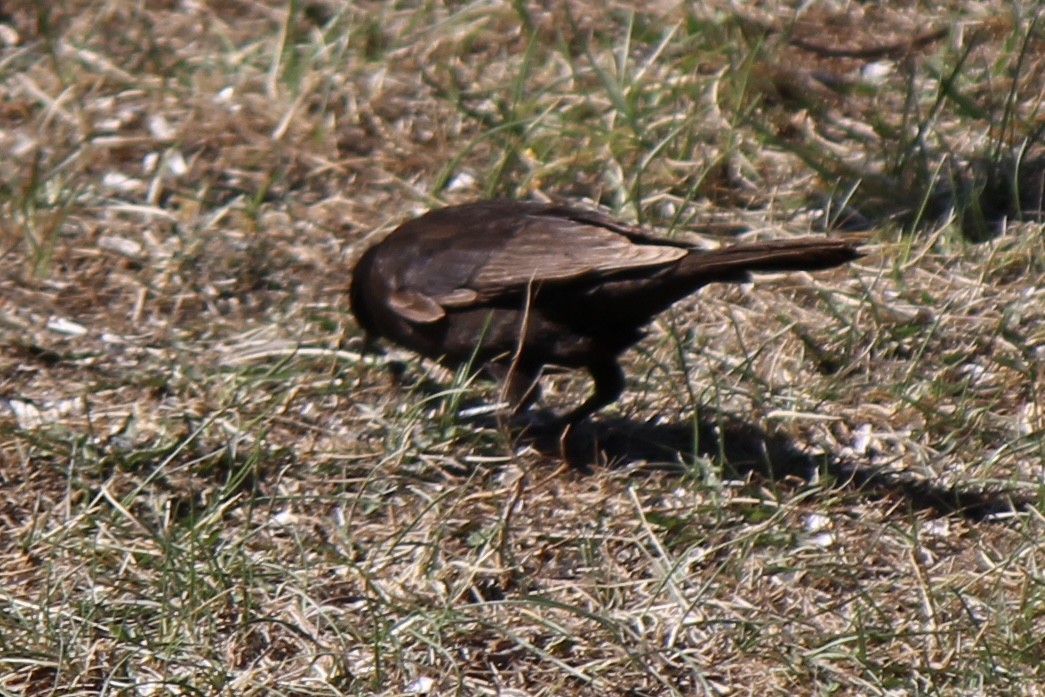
734	263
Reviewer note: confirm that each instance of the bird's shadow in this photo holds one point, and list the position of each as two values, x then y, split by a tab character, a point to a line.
742	449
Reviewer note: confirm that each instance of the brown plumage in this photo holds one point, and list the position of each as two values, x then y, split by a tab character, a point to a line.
516	286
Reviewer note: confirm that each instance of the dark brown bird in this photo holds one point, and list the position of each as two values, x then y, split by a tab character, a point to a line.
515	286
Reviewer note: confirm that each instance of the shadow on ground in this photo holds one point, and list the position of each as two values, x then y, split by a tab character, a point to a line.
743	449
739	447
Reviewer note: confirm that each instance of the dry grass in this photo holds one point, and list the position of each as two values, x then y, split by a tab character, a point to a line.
206	489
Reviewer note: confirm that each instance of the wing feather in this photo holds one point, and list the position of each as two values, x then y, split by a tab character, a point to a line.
507	254
416	307
559	250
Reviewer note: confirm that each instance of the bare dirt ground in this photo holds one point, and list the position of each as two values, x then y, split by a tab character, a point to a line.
815	484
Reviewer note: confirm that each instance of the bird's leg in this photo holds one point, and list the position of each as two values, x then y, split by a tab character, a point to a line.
522	386
609	383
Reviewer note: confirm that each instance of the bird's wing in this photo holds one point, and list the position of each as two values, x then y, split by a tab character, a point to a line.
554	250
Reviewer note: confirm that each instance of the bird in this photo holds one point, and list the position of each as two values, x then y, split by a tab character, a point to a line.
515	286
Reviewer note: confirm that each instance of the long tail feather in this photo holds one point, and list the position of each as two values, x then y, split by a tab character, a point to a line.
803	254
